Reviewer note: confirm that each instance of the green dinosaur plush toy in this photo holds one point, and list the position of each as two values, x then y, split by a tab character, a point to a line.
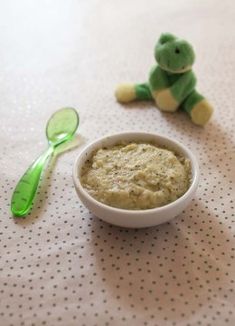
172	82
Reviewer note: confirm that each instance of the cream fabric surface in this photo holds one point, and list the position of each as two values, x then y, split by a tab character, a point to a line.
63	266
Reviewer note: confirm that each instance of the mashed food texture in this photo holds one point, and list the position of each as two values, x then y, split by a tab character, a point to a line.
136	176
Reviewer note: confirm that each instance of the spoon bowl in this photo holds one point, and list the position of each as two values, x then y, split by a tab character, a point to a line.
61	126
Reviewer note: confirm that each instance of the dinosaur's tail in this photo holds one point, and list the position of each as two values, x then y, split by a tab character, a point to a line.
129	92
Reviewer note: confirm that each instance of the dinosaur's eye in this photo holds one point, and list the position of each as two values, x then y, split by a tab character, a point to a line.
177	50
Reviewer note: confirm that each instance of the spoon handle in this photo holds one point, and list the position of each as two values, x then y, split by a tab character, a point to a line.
24	193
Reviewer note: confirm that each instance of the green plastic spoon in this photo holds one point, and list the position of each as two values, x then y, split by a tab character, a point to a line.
60	128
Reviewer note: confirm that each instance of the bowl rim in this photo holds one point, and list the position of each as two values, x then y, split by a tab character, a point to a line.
162	209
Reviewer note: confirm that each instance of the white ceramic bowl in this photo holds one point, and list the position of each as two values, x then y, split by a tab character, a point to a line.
135	218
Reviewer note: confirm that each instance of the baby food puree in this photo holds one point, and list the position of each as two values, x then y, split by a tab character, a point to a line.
136	176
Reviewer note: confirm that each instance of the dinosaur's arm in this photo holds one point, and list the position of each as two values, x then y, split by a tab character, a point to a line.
158	79
170	97
183	86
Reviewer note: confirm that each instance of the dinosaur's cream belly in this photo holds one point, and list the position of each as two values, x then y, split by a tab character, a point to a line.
165	100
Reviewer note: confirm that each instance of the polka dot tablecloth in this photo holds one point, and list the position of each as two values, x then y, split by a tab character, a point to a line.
63	266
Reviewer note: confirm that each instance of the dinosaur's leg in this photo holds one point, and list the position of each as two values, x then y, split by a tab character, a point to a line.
199	109
129	92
